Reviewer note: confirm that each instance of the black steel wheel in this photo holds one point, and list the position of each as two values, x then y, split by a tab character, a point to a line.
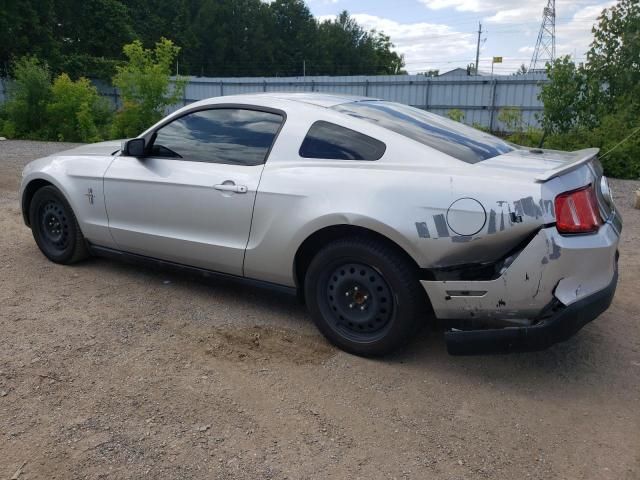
55	228
364	296
54	225
360	301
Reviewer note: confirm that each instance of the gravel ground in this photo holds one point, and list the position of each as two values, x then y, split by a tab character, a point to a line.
114	371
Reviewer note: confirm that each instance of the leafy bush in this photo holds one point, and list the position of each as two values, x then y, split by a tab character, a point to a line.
130	121
531	137
511	119
28	95
619	145
598	104
482	128
618	137
456	115
76	112
565	97
7	128
145	86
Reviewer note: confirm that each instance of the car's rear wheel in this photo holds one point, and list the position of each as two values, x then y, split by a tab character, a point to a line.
364	296
55	228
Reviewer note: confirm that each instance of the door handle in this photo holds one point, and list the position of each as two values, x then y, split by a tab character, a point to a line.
229	186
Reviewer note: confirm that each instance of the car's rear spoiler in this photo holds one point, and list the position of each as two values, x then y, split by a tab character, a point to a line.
581	157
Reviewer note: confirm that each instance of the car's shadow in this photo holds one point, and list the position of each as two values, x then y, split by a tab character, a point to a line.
588	359
234	289
589	355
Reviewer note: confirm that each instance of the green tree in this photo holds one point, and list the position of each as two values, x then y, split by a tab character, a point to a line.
522	70
387	61
76	111
232	38
347	49
563	96
146	87
613	61
218	37
295	37
172	19
27	28
92	33
29	94
598	103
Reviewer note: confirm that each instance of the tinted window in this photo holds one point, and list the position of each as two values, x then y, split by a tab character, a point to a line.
326	140
234	136
453	138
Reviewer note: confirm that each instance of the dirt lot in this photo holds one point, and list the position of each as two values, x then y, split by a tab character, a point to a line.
114	371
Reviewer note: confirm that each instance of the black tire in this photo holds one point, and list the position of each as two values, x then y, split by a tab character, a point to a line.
55	228
365	296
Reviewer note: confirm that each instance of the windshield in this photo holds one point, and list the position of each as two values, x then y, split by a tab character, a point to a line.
453	138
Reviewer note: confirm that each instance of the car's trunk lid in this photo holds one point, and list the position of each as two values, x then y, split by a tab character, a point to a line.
538	165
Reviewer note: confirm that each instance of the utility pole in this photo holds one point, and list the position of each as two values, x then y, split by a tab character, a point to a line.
478	47
304	68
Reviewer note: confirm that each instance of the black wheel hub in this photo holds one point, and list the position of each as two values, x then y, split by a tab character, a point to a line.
360	299
54	225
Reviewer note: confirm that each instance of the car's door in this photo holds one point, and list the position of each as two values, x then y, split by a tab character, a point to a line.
190	199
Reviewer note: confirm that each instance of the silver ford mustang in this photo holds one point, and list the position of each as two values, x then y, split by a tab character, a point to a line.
379	215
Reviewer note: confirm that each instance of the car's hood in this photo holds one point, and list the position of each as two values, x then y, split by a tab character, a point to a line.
540	165
101	148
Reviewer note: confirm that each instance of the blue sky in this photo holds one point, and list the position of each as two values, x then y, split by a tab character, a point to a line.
441	34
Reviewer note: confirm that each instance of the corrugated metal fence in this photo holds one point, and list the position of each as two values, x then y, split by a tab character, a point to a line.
480	98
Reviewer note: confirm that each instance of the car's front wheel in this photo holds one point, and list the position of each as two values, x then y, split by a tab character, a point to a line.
364	296
55	228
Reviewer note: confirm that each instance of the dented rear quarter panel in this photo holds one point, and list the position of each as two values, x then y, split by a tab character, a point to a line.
410	196
551	266
442	212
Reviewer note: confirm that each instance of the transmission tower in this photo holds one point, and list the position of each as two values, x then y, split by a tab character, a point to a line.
545	50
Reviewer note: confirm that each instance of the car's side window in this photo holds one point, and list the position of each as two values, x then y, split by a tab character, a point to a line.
329	141
223	135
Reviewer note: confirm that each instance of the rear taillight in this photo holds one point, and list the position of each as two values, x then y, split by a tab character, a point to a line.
577	211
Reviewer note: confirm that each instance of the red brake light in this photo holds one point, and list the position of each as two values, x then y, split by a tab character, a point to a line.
577	211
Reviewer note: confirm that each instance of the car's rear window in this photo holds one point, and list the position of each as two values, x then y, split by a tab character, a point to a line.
453	138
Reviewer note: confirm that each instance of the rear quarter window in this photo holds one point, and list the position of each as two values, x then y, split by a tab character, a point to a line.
455	139
330	141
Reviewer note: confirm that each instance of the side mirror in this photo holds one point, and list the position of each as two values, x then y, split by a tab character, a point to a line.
133	147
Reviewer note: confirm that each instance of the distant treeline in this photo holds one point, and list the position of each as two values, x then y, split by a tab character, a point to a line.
217	37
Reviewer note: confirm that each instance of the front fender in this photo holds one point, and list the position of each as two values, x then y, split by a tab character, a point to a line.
80	179
28	188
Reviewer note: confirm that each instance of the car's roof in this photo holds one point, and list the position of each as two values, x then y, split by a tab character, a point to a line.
327	100
317	98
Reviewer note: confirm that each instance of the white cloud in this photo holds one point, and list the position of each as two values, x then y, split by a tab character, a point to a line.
460	5
447	41
425	46
509	19
508	11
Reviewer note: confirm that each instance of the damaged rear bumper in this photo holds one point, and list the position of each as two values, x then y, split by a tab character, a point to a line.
550	267
556	328
577	275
